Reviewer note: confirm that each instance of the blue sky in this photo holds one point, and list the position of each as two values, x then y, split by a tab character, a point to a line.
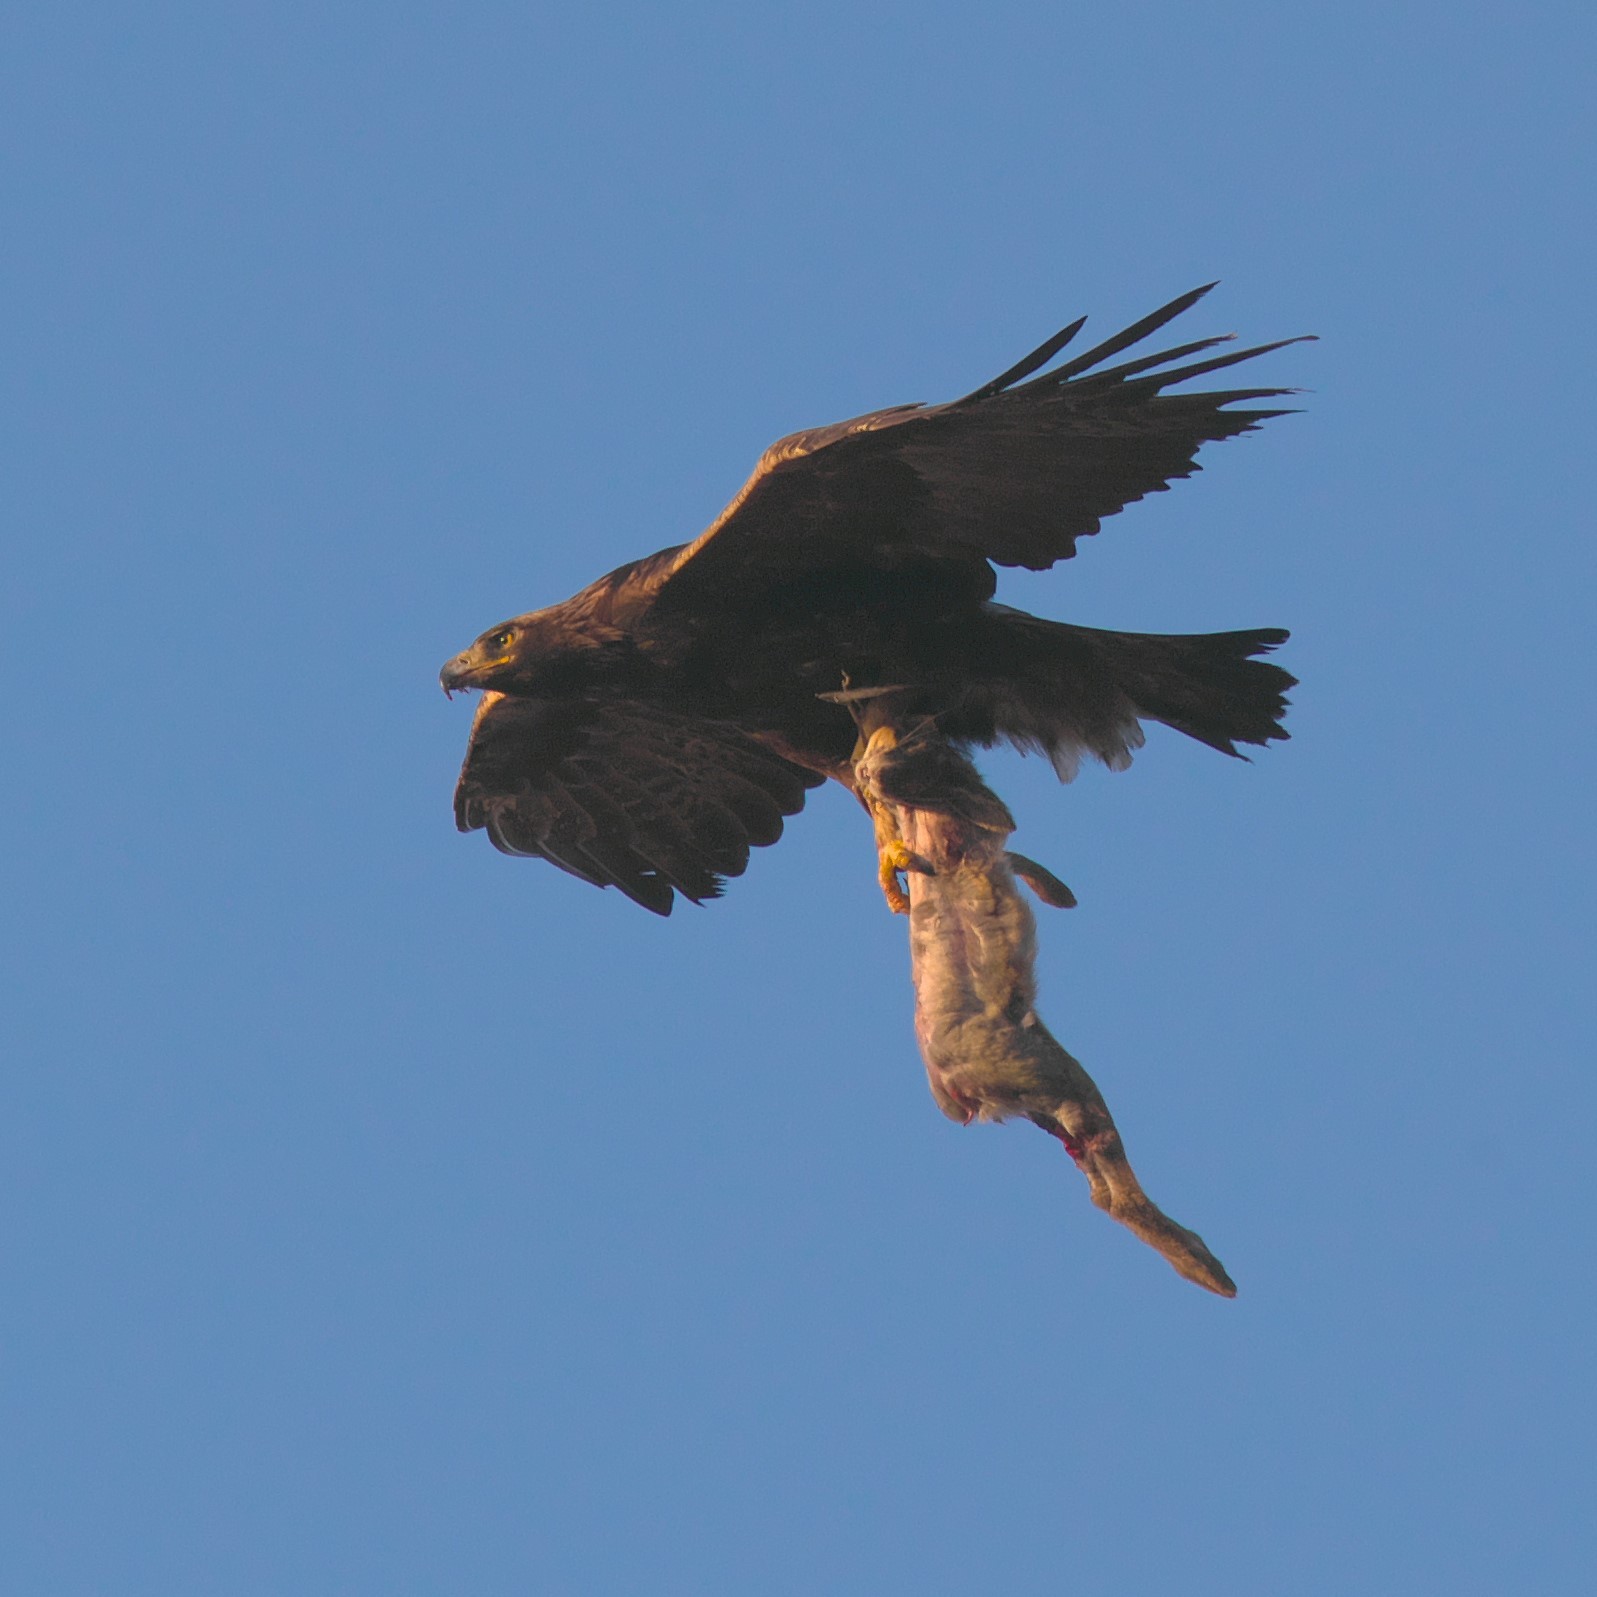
385	1216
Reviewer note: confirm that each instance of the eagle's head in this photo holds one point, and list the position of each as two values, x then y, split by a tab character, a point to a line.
500	659
548	651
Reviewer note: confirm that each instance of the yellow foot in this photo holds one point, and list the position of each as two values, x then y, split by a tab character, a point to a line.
894	858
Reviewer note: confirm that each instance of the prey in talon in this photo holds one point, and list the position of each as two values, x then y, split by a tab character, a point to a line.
921	770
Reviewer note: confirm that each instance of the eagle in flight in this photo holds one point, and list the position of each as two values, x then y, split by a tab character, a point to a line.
648	732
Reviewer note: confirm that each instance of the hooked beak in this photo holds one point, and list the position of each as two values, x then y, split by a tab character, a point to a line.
456	676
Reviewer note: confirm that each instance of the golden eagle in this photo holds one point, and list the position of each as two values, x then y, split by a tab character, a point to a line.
650	731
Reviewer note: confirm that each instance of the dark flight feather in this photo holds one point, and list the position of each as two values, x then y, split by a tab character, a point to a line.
625	796
1014	473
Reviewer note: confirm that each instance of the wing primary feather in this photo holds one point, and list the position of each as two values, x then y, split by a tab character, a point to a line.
1132	335
1040	356
1220	362
1130	368
1212	397
653	893
625	795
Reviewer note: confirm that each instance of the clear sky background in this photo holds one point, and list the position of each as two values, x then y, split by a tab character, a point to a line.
383	1216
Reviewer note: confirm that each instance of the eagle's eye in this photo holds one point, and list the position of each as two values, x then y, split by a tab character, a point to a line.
501	640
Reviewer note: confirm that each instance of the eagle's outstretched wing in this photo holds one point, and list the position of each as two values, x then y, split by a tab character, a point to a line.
1014	473
624	795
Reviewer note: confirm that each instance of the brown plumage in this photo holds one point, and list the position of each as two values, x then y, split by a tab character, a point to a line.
646	733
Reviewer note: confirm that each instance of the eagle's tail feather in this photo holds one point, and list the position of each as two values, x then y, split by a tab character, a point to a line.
1212	685
1068	690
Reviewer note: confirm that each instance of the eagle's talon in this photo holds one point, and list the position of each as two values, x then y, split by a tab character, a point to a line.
894	858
